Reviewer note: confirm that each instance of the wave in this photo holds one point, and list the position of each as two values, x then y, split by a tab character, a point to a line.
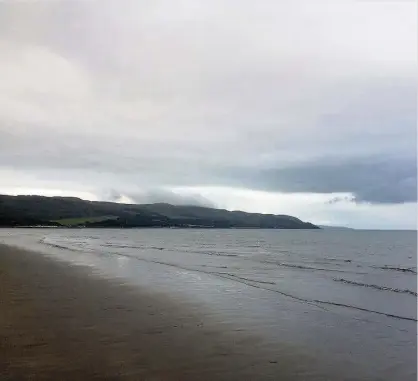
303	267
179	250
74	247
219	254
204	252
58	246
119	246
366	310
246	279
376	287
411	270
142	247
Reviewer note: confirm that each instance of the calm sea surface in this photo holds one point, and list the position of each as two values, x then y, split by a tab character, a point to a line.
346	297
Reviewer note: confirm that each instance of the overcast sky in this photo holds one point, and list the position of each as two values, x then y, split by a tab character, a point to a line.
299	107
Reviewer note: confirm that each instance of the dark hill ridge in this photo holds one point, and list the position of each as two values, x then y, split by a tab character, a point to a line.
71	211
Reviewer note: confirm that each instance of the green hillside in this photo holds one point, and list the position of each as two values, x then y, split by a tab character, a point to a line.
70	211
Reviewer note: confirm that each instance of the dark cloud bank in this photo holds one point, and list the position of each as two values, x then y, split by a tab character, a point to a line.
374	180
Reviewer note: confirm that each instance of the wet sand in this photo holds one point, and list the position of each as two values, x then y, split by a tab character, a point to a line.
59	322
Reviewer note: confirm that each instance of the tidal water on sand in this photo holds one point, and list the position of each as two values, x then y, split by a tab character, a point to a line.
347	298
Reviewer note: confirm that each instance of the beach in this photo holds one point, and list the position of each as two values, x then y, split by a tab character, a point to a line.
59	322
164	304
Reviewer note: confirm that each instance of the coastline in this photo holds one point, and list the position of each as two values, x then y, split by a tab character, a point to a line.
78	305
59	322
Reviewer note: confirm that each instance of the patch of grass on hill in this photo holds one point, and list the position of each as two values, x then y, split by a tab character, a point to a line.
83	220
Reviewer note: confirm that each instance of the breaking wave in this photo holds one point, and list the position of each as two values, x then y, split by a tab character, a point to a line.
375	286
411	270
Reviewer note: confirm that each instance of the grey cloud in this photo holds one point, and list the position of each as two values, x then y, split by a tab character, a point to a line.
380	180
111	195
151	196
